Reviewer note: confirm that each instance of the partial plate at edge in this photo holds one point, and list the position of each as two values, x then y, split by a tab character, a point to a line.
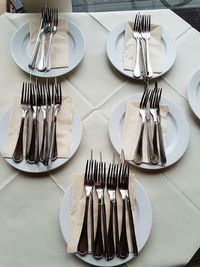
178	134
193	93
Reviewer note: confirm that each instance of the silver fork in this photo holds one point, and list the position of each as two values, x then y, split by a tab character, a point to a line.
56	105
123	185
111	188
153	109
146	34
138	156
25	107
99	244
162	153
44	107
89	177
53	30
33	58
34	145
137	36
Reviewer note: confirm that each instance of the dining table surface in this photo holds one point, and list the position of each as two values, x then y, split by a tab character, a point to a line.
30	233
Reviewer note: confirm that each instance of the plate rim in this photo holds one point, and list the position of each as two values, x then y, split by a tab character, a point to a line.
186	132
128	73
55	164
49	74
194	104
149	212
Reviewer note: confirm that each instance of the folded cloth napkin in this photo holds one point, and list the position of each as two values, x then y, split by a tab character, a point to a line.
78	207
64	126
131	129
60	44
154	47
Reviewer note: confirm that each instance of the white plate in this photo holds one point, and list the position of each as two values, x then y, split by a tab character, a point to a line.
21	51
193	93
115	48
143	224
178	134
40	168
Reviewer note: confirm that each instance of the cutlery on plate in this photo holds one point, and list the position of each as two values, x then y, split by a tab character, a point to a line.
137	36
89	177
25	108
53	30
123	185
146	34
112	246
56	105
101	233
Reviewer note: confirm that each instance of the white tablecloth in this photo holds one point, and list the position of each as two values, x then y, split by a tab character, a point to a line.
29	204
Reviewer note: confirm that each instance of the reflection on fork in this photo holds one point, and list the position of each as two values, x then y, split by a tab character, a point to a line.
25	108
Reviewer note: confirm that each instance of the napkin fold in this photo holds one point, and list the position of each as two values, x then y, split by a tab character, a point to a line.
154	47
131	129
78	207
60	44
64	126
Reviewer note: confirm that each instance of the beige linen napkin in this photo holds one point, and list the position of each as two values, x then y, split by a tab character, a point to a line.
154	47
131	129
64	126
78	208
60	43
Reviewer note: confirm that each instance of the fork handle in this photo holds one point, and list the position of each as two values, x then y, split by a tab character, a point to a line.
32	61
155	143
150	147
53	147
82	247
18	152
33	145
45	143
116	229
132	228
138	151
110	238
148	66
137	70
163	159
123	242
48	60
41	64
98	243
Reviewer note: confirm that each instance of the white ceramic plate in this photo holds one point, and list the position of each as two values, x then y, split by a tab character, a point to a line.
193	93
40	168
143	224
178	134
115	47
21	51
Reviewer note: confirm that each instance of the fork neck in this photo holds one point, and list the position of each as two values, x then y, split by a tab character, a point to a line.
100	195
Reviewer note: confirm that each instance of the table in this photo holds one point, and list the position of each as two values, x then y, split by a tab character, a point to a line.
29	204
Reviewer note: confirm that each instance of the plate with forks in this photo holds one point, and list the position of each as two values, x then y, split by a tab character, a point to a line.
115	48
177	138
76	135
143	225
21	51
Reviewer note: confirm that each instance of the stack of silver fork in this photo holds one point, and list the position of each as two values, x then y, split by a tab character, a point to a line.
150	108
40	57
36	97
107	243
142	34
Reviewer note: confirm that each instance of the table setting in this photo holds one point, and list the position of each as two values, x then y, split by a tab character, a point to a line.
100	117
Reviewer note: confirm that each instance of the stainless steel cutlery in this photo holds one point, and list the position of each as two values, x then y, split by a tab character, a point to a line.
36	98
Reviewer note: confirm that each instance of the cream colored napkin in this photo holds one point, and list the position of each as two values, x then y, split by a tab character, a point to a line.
60	43
78	208
154	48
131	129
64	126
